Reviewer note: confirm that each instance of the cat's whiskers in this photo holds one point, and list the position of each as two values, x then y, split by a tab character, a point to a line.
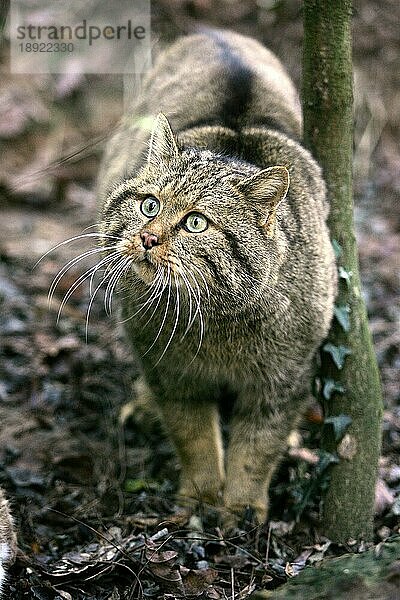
189	290
116	269
177	311
75	238
169	280
197	312
156	293
153	291
197	299
159	296
203	279
91	281
97	225
70	264
172	264
196	295
194	298
114	278
149	287
192	294
108	260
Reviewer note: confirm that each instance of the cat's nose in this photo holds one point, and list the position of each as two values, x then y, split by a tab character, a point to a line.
148	239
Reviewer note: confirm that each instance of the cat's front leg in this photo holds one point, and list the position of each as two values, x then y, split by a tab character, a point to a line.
258	438
8	541
193	426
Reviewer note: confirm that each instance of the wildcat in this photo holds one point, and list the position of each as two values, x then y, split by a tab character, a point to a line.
223	258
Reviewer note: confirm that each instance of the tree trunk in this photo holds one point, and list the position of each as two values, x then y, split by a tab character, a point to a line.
349	374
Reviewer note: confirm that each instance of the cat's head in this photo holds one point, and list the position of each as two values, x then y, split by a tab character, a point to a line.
205	220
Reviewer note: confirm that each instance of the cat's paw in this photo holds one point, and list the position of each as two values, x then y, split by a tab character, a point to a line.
208	492
242	516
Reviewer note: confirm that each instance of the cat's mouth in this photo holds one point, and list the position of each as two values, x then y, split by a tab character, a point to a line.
147	263
150	267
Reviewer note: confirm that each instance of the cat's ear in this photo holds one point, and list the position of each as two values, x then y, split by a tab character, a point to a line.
267	189
162	145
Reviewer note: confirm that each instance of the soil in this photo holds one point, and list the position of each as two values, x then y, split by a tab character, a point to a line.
93	494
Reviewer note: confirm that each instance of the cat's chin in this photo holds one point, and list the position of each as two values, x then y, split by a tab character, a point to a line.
145	271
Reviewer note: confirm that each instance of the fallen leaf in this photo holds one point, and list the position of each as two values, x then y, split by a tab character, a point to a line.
196	581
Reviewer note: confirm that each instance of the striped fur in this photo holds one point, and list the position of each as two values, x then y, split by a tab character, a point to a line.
8	544
245	303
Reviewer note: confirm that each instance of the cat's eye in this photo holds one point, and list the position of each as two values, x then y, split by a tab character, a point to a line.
195	223
150	206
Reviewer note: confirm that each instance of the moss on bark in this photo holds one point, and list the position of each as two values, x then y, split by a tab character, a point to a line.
375	574
328	132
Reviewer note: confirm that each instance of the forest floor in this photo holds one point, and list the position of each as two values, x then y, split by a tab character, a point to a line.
93	497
